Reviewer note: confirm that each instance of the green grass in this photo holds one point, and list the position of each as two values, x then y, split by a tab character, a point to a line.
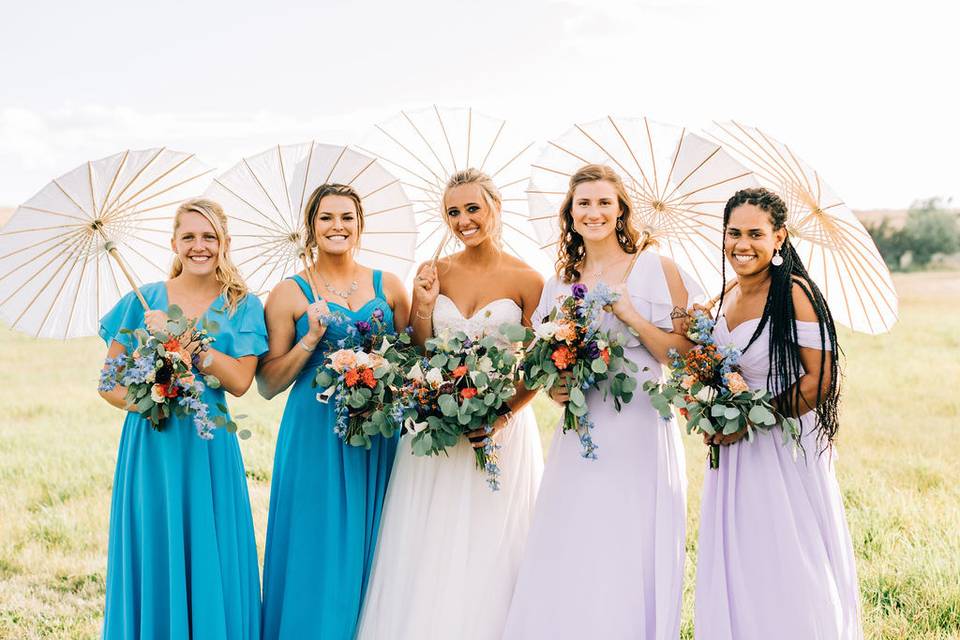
897	468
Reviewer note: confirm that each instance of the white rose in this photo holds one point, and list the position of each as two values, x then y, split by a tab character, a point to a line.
363	359
156	394
706	394
415	373
434	377
151	376
546	330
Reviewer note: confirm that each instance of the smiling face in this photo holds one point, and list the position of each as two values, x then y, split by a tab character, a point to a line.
196	243
595	210
337	225
469	215
750	239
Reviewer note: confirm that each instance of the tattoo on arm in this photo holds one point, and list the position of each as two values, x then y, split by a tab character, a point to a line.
679	312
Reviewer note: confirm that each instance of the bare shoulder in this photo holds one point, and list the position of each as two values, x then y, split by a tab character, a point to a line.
517	268
392	282
284	298
803	309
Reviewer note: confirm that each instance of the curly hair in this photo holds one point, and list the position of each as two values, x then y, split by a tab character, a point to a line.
570	250
778	311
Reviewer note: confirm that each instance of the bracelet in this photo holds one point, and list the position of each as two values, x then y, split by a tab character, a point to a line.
420	317
303	345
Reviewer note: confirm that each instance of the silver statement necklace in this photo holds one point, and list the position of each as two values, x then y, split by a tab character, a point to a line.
337	292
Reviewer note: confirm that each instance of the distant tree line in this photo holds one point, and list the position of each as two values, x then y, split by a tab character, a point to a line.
931	229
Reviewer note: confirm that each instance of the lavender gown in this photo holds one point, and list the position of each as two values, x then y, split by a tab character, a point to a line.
775	558
606	549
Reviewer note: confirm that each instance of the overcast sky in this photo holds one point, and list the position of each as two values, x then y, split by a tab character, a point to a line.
867	93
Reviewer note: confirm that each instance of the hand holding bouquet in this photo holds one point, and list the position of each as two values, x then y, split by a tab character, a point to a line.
159	375
460	386
571	342
707	387
363	377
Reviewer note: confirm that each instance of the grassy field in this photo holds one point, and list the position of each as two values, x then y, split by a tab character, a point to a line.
898	470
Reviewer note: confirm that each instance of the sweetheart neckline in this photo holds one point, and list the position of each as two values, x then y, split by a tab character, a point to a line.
479	309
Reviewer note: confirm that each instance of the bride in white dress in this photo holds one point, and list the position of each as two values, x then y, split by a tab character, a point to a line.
449	547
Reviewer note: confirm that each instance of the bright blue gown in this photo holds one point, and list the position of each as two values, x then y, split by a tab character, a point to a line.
325	504
182	557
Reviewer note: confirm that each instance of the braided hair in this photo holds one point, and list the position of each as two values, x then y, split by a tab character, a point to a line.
778	311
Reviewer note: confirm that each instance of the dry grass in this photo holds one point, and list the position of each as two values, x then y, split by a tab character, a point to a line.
897	469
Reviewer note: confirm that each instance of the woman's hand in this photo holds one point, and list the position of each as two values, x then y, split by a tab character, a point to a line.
719	438
687	319
560	391
477	438
156	321
426	288
623	308
315	312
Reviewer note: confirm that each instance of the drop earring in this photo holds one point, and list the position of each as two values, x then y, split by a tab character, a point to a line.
777	259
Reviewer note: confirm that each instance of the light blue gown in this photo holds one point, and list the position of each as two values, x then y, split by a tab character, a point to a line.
182	558
325	504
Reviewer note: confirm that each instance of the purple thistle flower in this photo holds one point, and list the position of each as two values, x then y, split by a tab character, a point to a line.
363	326
579	291
593	350
378	314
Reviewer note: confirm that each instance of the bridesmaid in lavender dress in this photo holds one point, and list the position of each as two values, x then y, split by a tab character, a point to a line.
775	558
606	548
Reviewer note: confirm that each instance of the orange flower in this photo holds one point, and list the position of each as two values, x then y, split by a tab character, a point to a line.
684	413
169	390
563	357
351	377
469	392
566	331
605	354
460	371
172	345
367	378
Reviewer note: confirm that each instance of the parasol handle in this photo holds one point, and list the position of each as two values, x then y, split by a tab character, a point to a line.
309	272
111	248
715	299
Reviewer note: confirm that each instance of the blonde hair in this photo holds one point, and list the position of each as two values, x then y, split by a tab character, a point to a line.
232	286
570	250
488	190
312	207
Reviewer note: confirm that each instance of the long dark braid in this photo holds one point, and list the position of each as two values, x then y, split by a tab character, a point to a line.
785	364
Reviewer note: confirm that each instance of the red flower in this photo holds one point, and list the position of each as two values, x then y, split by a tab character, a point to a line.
684	413
367	378
172	345
460	371
169	390
605	354
563	357
469	392
351	377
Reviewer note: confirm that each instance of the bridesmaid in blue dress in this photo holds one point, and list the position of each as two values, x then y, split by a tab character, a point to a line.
182	557
326	498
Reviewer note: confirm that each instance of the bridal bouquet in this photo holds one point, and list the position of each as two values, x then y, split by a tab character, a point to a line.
708	389
460	385
159	377
570	341
363	377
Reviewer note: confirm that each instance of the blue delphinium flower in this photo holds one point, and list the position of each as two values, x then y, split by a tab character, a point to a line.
588	448
138	372
108	375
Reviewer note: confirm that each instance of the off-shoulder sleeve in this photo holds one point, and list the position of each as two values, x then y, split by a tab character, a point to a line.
245	331
808	335
126	314
650	292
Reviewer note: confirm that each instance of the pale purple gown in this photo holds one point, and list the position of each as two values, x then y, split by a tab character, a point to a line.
606	549
775	558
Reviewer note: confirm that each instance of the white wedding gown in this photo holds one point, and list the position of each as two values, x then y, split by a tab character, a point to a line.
449	547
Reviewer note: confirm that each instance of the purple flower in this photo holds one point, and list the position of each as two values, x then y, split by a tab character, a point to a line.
378	314
593	350
579	291
363	326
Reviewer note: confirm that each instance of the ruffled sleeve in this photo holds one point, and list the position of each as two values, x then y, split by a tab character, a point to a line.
245	332
650	292
548	300
808	335
126	314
